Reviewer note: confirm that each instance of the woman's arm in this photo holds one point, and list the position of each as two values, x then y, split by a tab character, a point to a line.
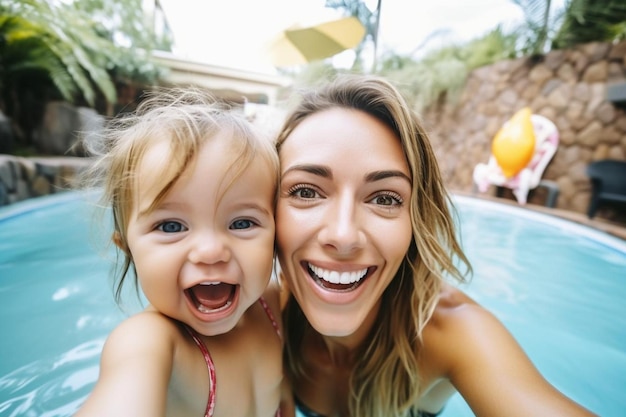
489	368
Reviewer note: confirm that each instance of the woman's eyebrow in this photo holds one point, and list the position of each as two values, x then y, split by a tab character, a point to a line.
381	175
319	170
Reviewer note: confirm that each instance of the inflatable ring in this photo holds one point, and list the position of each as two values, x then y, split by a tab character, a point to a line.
514	144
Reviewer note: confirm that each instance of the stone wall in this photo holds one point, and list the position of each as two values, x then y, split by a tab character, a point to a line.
23	178
568	87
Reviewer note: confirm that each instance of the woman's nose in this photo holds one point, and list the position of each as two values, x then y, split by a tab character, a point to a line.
342	229
209	248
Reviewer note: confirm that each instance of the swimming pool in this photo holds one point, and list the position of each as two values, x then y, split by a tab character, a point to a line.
558	287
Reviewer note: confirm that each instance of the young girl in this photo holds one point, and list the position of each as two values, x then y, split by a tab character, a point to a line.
192	190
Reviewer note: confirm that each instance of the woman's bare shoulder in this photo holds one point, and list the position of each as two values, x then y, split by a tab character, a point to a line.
469	346
458	326
454	307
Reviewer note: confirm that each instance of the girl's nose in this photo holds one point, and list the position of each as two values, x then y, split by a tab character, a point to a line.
209	248
342	229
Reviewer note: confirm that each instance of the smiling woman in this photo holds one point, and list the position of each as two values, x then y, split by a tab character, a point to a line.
396	338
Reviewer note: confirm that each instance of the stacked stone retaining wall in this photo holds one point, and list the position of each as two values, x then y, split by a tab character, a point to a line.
568	87
23	178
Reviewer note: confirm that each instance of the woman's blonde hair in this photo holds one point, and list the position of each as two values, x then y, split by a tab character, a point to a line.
183	118
385	381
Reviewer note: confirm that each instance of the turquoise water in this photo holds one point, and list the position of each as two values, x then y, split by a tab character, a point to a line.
558	287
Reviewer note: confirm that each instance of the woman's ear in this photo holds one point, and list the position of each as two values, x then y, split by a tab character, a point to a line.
119	242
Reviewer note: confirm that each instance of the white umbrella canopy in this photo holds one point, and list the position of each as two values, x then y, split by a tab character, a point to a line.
296	46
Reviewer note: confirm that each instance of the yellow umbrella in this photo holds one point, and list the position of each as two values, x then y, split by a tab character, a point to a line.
302	45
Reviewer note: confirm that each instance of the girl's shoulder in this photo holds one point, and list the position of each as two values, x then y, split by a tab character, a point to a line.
147	331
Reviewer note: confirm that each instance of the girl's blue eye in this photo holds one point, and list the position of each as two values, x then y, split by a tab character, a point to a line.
242	224
170	227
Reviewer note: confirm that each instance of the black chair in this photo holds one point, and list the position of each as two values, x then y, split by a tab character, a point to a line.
608	182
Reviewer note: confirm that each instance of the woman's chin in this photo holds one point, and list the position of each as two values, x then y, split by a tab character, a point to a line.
332	324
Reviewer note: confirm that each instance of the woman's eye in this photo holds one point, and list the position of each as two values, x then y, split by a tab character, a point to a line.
387	200
303	192
242	224
171	227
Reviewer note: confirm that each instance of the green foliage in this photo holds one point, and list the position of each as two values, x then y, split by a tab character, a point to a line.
125	24
74	49
440	74
534	34
77	51
494	46
25	51
52	46
589	21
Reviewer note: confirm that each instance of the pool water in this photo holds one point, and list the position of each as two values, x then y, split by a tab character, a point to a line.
56	303
558	287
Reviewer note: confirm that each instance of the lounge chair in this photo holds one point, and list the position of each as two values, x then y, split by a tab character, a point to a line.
546	143
608	184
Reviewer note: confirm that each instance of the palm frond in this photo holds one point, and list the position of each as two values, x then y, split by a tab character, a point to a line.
588	21
25	51
533	34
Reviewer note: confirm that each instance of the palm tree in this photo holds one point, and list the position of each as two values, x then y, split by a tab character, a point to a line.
588	21
52	49
63	43
534	33
579	21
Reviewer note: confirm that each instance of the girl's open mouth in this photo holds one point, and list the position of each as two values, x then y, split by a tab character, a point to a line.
212	297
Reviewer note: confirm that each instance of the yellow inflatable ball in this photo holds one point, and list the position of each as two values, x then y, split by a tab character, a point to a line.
514	144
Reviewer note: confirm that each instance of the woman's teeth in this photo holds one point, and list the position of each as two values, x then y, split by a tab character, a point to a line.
335	277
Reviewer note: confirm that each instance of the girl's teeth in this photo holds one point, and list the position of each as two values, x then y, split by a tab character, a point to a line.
204	309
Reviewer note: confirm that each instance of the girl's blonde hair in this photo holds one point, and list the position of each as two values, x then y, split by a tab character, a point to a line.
385	381
183	118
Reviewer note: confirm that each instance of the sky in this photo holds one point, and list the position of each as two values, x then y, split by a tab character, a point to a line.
237	33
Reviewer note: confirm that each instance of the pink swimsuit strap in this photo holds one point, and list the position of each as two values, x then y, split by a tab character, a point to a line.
268	311
211	366
210	406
